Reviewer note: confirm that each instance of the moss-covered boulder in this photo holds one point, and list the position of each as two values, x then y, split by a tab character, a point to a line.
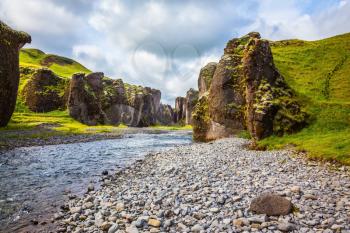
10	43
247	92
45	91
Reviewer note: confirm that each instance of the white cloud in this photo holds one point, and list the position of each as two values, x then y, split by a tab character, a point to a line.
163	44
38	16
335	20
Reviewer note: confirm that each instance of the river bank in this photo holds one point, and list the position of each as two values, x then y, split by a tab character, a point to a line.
35	181
208	188
46	135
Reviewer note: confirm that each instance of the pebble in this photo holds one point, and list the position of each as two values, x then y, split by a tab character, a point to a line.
113	228
90	188
197	228
154	223
286	227
208	187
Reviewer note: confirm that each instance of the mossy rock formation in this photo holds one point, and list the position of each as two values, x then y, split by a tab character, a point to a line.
165	115
246	93
10	43
84	102
205	77
45	91
191	101
180	110
95	99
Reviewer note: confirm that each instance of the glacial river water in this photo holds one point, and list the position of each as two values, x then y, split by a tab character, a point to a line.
34	181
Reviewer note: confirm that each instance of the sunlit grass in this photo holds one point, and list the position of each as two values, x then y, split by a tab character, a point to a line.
65	124
306	68
172	127
34	58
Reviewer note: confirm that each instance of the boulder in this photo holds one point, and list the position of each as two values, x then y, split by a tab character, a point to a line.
271	205
246	92
205	77
84	101
10	43
191	101
45	91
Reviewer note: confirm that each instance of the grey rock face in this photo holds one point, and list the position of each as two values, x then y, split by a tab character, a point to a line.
180	110
165	115
95	99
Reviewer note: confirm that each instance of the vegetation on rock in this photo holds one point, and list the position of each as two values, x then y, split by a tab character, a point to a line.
10	43
247	92
45	92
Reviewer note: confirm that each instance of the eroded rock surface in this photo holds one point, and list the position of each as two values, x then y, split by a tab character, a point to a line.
205	77
45	91
180	110
95	99
10	43
191	101
246	92
165	115
84	102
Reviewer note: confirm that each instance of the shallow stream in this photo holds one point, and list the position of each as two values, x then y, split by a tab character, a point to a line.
34	181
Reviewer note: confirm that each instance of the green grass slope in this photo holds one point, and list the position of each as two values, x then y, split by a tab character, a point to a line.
24	119
319	71
62	66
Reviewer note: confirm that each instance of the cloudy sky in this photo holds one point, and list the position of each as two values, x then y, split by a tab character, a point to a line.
163	44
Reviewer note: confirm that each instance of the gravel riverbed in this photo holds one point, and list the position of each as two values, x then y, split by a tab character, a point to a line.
209	188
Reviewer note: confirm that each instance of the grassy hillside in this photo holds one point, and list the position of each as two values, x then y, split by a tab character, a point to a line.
319	71
62	66
25	119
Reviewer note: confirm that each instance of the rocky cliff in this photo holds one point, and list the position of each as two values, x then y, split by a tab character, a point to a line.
10	43
180	110
246	92
84	101
191	101
95	99
205	77
45	91
165	115
184	107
